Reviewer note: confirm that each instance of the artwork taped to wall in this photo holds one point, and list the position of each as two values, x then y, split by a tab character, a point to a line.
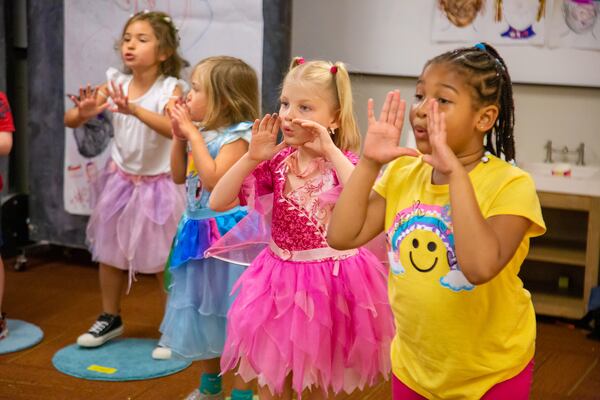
506	22
92	30
518	22
460	21
575	24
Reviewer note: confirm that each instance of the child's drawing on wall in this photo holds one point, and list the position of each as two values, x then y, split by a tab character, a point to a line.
459	20
575	24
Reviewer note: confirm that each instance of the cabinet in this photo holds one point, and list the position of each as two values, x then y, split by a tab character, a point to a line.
562	266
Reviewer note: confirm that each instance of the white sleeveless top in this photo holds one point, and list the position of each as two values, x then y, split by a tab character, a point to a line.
137	149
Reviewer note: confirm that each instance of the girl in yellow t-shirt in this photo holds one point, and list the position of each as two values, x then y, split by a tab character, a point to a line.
458	220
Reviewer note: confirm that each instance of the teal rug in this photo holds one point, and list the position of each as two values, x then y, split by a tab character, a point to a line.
117	360
21	335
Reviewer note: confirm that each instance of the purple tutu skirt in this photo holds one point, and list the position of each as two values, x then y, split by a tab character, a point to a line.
134	220
300	318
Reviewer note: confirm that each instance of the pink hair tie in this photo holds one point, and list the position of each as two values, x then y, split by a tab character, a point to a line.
333	69
300	60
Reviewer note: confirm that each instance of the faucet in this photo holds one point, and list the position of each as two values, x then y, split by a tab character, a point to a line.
580	155
548	148
580	150
565	154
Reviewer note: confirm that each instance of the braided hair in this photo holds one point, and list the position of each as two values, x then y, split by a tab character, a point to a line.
486	72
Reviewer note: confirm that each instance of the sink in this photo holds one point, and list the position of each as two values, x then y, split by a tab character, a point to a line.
545	169
584	180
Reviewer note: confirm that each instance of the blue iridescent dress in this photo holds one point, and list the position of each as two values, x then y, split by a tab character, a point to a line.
196	312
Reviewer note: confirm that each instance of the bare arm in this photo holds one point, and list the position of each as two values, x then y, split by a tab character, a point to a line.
262	147
91	102
6	141
178	161
210	169
497	237
225	193
343	166
359	214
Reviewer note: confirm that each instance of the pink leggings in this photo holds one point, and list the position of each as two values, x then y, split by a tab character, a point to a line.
516	388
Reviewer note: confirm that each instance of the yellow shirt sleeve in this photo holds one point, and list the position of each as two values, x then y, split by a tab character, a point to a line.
519	197
383	181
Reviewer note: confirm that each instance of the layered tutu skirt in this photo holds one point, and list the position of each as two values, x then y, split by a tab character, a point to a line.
196	314
327	322
134	219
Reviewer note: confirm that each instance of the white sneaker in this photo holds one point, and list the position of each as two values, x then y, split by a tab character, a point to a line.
196	395
161	353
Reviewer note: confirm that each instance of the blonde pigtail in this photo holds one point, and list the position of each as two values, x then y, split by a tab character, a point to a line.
348	136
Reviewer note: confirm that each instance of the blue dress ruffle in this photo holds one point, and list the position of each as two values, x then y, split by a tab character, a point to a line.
195	318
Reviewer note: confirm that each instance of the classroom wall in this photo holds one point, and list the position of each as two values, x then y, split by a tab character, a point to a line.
48	219
565	115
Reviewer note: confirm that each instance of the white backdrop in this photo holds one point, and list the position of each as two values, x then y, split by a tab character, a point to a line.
394	37
92	29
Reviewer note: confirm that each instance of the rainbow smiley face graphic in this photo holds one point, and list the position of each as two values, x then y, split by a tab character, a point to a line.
421	239
425	250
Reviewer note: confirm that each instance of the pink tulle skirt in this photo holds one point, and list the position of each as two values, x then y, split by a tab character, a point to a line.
134	220
300	318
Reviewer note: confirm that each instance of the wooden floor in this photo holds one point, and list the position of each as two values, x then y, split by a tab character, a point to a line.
61	296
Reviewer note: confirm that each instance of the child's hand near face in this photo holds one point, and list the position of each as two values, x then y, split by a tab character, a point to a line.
263	145
442	158
321	141
181	122
383	135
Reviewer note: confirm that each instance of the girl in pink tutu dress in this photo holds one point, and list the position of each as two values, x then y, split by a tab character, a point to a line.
306	316
137	205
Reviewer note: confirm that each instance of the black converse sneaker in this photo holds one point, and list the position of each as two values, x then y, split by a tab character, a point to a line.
106	327
3	327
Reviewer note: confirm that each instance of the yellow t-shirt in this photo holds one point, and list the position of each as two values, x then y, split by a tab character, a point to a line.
455	340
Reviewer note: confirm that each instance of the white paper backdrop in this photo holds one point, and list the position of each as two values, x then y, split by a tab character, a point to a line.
92	29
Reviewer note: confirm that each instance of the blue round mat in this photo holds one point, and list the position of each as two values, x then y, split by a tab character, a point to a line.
117	360
21	335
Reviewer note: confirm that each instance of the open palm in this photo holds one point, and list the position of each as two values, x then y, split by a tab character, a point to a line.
87	102
442	158
263	145
383	134
120	99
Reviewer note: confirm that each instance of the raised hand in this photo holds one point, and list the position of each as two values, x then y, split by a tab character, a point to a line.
263	145
383	134
181	122
321	143
120	99
442	158
87	102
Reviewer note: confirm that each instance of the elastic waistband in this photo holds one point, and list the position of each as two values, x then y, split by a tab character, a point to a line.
320	254
136	179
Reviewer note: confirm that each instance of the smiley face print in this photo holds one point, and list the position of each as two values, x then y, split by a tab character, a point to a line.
423	250
421	242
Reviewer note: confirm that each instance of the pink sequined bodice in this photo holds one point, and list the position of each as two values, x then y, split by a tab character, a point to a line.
300	216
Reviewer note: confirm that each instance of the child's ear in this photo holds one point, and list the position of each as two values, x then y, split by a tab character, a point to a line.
163	56
336	122
486	118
